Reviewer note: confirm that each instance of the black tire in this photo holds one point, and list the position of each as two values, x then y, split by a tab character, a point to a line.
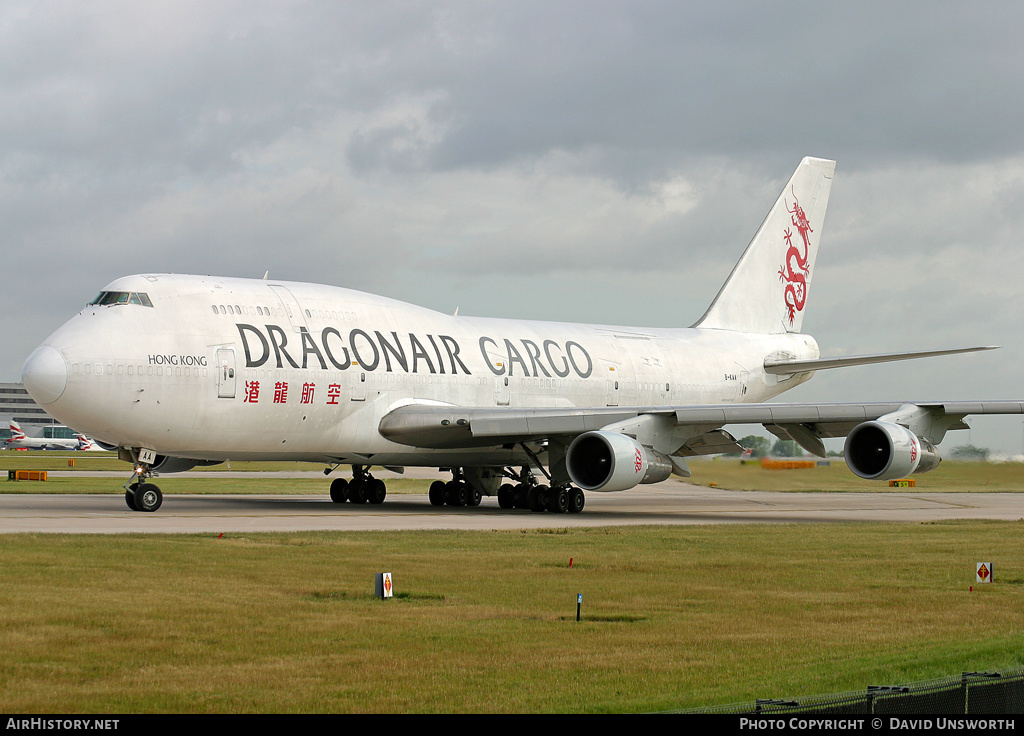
376	491
357	491
436	494
129	496
558	500
473	496
455	493
339	490
507	496
521	496
148	497
538	498
576	500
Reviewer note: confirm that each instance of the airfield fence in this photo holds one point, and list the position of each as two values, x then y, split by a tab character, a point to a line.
972	693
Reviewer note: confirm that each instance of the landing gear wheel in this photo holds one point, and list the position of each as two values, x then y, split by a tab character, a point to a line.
148	497
339	490
357	491
436	494
455	493
558	500
129	496
507	496
473	496
538	498
376	491
576	500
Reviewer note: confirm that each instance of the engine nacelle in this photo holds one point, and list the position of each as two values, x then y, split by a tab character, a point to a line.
167	464
609	461
885	451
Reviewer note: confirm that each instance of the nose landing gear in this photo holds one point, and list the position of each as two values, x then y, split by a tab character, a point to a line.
139	493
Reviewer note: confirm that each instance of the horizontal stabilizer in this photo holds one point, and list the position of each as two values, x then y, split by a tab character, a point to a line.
785	367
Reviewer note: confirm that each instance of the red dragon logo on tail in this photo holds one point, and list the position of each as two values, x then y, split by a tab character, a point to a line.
795	268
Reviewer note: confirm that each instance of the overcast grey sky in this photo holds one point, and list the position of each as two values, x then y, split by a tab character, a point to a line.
583	161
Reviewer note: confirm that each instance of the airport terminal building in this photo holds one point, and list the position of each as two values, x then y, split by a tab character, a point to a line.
17	405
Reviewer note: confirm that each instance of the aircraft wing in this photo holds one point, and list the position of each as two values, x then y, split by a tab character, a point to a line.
679	430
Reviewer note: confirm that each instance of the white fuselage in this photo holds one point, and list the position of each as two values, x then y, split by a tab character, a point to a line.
220	368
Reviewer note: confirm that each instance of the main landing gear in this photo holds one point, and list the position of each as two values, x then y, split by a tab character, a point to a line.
527	493
524	493
456	492
363	488
556	499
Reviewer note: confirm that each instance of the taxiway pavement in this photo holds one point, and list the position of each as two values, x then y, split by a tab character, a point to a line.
672	502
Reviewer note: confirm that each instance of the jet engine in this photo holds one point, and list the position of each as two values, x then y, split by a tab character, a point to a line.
884	451
609	461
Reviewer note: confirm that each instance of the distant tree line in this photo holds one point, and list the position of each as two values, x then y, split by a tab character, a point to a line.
763	447
969	452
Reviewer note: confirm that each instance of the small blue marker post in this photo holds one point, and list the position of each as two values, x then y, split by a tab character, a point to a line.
579	604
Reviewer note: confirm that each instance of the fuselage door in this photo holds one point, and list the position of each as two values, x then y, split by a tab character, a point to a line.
502	393
359	386
292	310
613	387
225	362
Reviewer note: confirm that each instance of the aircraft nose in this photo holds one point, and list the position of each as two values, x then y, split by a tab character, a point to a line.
45	375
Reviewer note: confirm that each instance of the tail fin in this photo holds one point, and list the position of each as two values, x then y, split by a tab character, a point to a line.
16	432
767	289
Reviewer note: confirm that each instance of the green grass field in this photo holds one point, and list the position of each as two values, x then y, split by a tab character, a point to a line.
672	617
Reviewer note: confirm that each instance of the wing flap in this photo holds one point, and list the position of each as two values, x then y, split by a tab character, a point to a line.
714	442
805	435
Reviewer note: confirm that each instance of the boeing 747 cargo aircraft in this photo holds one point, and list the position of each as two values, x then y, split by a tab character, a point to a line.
177	370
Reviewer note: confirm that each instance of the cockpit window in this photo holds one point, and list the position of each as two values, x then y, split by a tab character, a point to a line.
121	297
